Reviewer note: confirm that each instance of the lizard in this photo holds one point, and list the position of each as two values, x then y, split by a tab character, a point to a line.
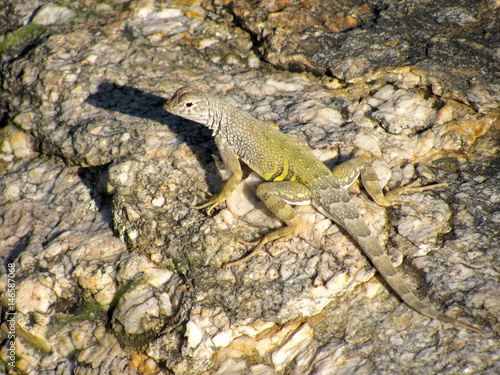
294	176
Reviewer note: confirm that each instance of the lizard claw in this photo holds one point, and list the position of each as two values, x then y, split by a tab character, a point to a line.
251	254
247	243
212	204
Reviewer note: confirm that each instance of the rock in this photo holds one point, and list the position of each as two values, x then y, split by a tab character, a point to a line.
50	14
114	269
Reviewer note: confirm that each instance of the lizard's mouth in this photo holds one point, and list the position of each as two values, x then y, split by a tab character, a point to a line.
167	107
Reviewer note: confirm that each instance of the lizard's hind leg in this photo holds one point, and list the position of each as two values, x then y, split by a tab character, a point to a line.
278	197
350	170
372	186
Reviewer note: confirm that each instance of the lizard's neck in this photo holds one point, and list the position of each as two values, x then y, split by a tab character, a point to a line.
217	116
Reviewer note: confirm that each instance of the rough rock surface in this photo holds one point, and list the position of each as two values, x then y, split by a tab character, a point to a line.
114	272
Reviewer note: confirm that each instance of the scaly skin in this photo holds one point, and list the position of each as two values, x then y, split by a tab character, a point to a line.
295	176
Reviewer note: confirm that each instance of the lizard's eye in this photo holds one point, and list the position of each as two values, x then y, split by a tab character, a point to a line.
189	104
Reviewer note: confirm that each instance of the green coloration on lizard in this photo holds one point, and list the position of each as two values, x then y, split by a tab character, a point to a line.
295	176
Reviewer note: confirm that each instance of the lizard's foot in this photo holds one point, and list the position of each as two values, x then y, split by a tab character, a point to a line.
288	231
372	184
393	195
253	253
212	204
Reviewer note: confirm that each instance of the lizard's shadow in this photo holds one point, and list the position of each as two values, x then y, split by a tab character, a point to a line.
135	102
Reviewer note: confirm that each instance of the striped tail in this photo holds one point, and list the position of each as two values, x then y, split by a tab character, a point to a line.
334	202
383	264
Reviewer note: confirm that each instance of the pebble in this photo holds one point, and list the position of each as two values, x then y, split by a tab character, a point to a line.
50	14
398	109
328	117
158	201
33	295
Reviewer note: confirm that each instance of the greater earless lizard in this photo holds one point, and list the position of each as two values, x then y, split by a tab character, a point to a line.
295	177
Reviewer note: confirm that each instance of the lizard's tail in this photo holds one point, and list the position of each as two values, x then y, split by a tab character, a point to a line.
383	264
334	202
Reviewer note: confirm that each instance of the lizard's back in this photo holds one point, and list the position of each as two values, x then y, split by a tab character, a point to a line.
269	152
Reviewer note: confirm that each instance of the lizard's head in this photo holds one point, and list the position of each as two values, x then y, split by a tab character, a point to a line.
191	104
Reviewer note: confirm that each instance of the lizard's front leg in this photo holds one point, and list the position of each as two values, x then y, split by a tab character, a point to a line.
349	171
278	197
232	163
